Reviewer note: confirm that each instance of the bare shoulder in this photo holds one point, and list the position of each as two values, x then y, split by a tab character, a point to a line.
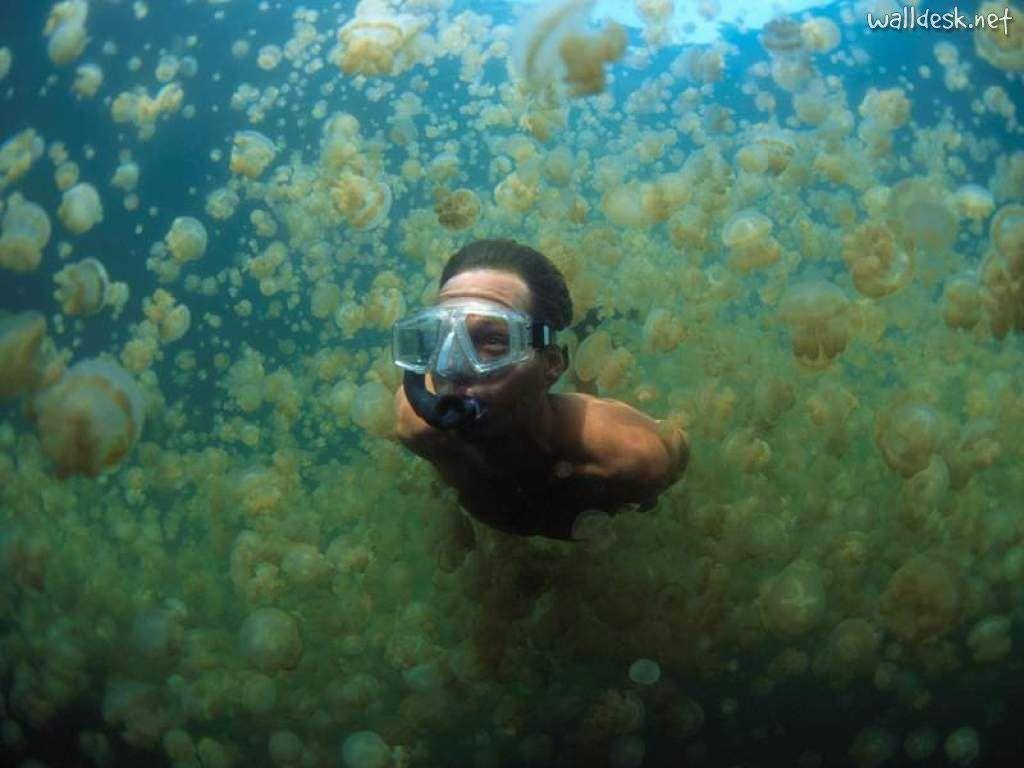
617	440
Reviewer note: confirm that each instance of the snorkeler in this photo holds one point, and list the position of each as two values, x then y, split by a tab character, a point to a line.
475	401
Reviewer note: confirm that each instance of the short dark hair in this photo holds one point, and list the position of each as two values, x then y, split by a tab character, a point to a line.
549	295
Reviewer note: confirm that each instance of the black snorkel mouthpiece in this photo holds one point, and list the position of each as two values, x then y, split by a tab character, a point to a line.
447	412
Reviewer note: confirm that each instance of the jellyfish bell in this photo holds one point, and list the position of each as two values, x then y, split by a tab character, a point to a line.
90	419
974	202
80	209
908	434
782	35
186	239
769	154
82	287
25	232
920	216
251	154
818	316
377	44
1002	48
1006	234
747	237
878	263
363	202
456	210
65	28
27	356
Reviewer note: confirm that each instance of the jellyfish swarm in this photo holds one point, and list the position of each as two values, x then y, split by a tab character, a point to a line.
82	287
90	419
817	314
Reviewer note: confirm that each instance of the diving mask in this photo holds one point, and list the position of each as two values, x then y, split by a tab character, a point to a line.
469	338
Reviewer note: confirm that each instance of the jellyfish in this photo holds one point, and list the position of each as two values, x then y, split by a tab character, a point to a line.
920	217
373	409
339	144
27	357
25	232
820	34
1004	295
591	355
794	601
907	435
585	56
88	79
269	638
82	287
90	419
5	61
962	302
377	44
747	236
17	155
363	202
80	209
126	176
974	202
782	35
515	195
65	28
1002	48
1006	233
251	154
456	210
922	599
186	239
878	263
770	154
818	316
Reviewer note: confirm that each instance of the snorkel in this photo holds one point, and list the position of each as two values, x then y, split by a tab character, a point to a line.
447	412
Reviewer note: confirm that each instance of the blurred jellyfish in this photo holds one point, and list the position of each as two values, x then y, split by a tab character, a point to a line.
364	203
65	28
456	210
365	749
373	408
794	601
80	209
962	302
963	746
186	239
17	155
974	202
82	287
747	236
377	44
126	177
907	435
923	599
27	358
5	61
817	314
878	263
990	639
90	419
1002	48
88	79
920	216
26	231
269	639
251	154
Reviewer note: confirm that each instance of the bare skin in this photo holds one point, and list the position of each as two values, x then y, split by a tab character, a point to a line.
544	458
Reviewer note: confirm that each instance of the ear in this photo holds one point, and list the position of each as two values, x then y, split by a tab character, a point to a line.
556	360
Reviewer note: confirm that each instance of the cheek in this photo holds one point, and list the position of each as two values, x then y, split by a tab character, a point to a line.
521	383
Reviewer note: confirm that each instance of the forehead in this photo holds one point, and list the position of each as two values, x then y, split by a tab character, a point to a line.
496	285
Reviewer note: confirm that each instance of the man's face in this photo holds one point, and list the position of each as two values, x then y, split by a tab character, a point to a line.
512	391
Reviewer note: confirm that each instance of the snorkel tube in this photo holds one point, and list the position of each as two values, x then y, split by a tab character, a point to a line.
445	412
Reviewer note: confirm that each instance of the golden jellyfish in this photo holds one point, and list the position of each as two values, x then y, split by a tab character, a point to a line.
1004	295
886	109
662	331
1007	236
923	599
747	235
920	216
90	419
186	239
962	302
17	155
251	154
782	35
591	355
80	209
456	210
27	357
25	232
65	28
88	79
378	45
269	638
5	61
585	57
878	263
515	195
126	176
373	409
363	202
615	372
999	45
82	287
820	35
818	316
339	144
908	434
974	202
66	175
770	154
793	602
851	651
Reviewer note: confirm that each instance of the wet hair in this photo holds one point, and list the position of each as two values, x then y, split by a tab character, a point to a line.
549	295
